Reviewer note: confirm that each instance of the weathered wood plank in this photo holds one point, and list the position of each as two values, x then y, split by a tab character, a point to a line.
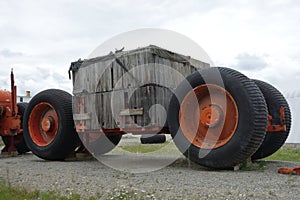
105	84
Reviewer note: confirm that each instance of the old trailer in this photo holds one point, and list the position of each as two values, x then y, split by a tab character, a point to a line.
216	116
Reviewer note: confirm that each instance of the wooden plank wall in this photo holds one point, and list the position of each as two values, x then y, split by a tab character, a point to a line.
150	81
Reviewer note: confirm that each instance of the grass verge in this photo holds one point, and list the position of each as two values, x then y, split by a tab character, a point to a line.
7	192
286	154
164	149
143	148
253	166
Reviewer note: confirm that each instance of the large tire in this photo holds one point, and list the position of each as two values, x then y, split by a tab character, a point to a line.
99	144
233	135
21	146
273	140
48	125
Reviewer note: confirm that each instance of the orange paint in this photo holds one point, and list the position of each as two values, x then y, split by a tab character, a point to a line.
44	132
277	127
10	123
208	116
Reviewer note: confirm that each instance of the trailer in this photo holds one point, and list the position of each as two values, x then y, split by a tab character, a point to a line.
216	116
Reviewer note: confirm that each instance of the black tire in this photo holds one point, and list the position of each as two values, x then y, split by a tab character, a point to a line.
251	125
66	139
273	140
102	144
153	139
21	146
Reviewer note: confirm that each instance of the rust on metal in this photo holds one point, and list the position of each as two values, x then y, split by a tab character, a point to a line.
277	127
44	132
295	170
80	116
10	123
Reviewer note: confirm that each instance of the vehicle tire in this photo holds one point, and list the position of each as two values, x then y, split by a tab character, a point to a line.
273	140
21	146
153	139
217	117
99	144
49	130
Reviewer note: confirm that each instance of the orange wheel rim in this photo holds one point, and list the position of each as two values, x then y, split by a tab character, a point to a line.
43	124
208	116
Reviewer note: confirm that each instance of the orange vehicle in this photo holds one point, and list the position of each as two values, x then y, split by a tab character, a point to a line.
11	115
217	116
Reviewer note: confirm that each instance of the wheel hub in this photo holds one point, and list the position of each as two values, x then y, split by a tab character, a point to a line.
208	116
43	124
47	124
211	116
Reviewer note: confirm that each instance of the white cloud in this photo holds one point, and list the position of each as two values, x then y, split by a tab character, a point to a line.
44	37
9	53
250	62
268	30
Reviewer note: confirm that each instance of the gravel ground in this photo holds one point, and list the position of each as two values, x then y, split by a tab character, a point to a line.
180	180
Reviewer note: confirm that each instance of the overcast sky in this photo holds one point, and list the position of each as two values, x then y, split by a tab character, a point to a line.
40	39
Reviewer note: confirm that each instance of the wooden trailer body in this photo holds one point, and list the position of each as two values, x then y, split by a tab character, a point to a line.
128	91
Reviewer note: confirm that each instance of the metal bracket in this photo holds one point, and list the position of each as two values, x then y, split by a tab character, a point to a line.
277	128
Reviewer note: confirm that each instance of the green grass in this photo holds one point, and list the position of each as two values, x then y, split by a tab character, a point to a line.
253	166
286	154
143	148
7	192
169	148
283	154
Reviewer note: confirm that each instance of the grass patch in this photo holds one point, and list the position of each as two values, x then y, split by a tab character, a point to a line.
286	154
164	149
248	165
143	148
7	192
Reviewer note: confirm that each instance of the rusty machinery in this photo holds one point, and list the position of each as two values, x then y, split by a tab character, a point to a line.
11	114
246	119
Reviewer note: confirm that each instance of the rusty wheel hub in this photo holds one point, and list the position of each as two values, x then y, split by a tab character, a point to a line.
47	124
43	124
211	116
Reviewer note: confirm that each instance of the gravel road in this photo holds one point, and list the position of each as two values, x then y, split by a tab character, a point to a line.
180	180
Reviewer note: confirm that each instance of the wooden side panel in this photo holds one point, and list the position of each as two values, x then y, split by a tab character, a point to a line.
142	81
